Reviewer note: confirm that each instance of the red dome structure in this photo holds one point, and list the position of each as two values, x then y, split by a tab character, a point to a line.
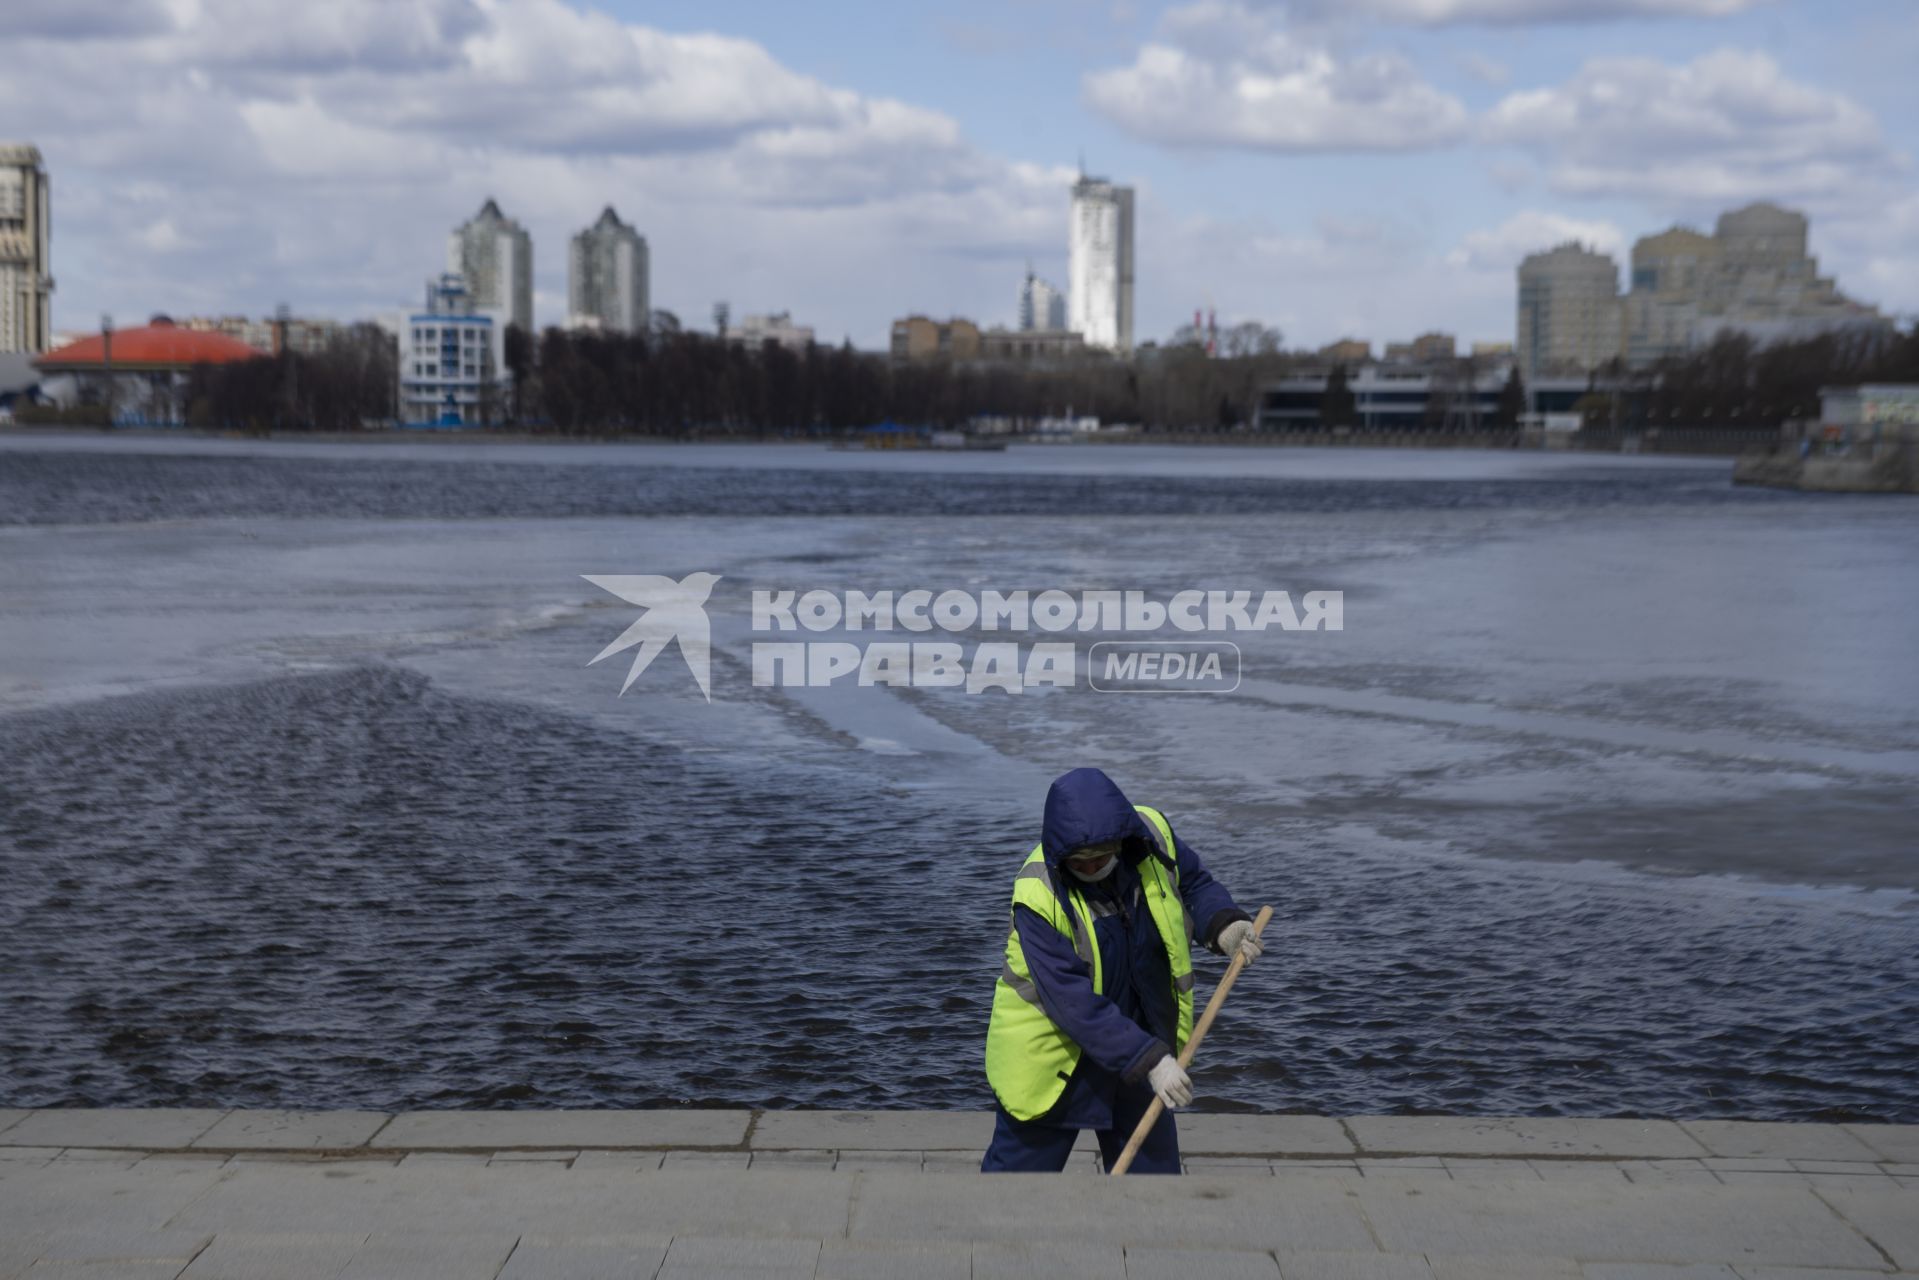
160	347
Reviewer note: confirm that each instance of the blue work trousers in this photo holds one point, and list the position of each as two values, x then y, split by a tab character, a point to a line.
1021	1146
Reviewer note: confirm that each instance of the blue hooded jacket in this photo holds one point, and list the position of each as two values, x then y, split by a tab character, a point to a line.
1125	1030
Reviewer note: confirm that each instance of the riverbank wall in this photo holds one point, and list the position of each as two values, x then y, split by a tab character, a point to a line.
823	1195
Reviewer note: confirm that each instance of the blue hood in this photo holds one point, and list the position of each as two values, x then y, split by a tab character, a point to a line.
1085	807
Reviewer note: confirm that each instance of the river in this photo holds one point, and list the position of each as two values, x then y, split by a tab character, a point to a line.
1599	802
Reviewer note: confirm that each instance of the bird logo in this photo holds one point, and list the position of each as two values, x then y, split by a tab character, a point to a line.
673	611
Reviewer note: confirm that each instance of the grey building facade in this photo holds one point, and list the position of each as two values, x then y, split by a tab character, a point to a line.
26	263
607	277
494	254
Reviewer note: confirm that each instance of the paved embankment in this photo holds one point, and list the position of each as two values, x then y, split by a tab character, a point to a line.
205	1194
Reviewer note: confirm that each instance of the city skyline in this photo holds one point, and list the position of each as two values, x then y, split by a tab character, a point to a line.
1413	154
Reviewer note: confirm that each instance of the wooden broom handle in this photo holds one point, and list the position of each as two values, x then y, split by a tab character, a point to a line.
1151	1118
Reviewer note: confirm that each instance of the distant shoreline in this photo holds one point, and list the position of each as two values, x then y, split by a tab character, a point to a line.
1673	442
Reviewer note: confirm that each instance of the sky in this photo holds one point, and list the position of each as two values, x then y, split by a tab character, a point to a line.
1370	168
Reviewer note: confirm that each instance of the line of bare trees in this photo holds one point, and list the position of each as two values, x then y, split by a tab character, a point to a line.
1735	382
673	383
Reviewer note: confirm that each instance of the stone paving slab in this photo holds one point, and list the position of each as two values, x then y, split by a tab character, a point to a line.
1528	1136
1262	1135
103	1271
292	1130
893	1259
1817	1273
524	1197
309	1255
500	1130
1623	1222
1783	1141
1048	1260
1658	1271
1295	1265
1898	1143
1195	1212
469	1255
1519	1267
725	1257
123	1244
96	1127
874	1130
1187	1264
603	1257
11	1117
1889	1217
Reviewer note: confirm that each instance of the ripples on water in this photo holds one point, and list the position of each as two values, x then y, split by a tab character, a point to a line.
53	488
356	889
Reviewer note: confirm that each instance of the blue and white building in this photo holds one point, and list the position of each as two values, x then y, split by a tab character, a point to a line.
452	359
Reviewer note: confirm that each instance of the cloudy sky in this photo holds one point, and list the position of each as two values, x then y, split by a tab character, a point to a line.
1332	167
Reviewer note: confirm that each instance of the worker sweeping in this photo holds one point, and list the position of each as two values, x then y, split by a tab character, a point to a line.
1095	998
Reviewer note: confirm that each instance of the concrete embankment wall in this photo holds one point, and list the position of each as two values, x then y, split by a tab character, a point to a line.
715	1195
1892	468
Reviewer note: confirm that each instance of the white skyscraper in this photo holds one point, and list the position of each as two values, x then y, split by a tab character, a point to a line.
495	256
1041	306
606	277
26	273
1100	271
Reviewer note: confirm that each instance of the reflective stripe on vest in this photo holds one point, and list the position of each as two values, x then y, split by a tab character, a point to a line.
1029	1058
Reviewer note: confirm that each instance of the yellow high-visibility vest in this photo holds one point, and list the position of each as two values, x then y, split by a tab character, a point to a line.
1028	1057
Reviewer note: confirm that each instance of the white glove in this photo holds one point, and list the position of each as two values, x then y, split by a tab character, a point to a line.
1170	1082
1238	936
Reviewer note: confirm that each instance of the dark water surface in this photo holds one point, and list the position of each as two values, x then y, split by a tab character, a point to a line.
60	488
413	870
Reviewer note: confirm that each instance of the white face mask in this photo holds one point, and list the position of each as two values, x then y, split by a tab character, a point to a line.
1112	864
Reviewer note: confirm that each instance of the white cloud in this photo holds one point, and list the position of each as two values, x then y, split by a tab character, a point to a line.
1484	69
1221	74
1530	231
1369	274
1514	12
319	154
1728	126
83	19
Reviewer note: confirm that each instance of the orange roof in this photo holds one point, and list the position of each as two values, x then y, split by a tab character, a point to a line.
160	345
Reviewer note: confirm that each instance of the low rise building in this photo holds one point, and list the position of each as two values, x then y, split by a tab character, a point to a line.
1031	347
452	359
1874	411
1427	348
268	335
137	376
1456	397
754	331
1347	351
922	338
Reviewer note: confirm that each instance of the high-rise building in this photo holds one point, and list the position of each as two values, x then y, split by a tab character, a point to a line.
494	255
1569	312
1100	264
26	266
1041	306
1752	276
606	277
